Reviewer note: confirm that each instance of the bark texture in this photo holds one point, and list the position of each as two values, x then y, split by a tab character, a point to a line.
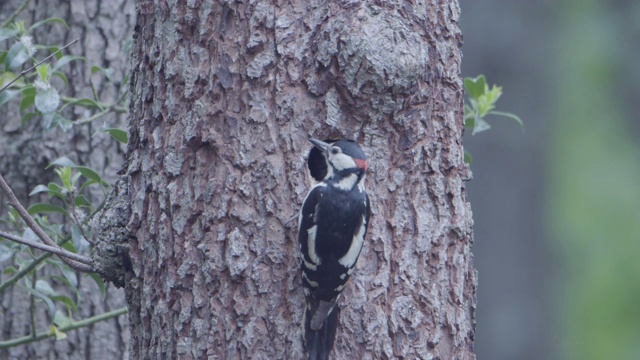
224	96
103	29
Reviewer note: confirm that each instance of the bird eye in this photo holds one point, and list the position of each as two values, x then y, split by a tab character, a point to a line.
335	150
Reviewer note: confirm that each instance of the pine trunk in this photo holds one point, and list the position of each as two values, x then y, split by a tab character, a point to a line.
223	99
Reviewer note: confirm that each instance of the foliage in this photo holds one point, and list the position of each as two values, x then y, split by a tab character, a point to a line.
40	92
66	215
69	197
481	103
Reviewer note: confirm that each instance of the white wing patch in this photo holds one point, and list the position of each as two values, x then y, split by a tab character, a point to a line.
311	282
349	259
311	245
310	266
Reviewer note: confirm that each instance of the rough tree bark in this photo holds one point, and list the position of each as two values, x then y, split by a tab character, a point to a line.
103	28
223	98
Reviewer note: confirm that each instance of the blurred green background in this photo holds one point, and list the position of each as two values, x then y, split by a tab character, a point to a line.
557	207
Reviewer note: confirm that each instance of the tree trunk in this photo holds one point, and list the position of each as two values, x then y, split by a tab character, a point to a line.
103	29
223	99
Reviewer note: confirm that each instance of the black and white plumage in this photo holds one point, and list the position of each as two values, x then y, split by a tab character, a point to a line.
331	231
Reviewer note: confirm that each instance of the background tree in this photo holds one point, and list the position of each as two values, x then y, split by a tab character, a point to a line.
104	28
223	98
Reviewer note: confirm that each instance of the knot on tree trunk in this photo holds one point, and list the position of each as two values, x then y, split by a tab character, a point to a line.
111	255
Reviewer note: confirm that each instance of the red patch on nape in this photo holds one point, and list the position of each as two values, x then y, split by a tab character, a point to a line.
362	164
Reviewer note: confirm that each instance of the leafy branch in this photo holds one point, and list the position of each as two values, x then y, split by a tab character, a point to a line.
482	103
77	262
64	327
36	89
25	72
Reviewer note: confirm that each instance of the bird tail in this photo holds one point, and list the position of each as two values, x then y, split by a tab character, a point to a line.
319	343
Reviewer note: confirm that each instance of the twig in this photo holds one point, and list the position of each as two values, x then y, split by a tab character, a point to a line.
50	249
80	266
73	326
16	13
24	72
105	111
21	273
32	306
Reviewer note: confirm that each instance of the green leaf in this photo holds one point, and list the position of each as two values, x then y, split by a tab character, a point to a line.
46	208
71	306
64	173
18	54
81	201
60	335
70	276
64	123
30	235
47	101
467	157
91	175
118	134
38	189
56	190
508	115
66	269
87	183
67	59
62	161
87	103
480	126
26	117
43	297
78	239
98	280
10	270
470	121
475	86
43	72
44	287
8	76
7	95
108	73
69	247
6	33
48	121
62	77
46	21
27	102
61	319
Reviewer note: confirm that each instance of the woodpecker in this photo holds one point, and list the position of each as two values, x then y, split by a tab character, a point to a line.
332	226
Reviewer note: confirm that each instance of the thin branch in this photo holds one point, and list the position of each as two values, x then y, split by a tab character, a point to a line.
50	249
20	274
16	13
73	326
24	72
78	223
80	266
32	305
113	107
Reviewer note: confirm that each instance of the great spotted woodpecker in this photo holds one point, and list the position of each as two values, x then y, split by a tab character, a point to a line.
332	226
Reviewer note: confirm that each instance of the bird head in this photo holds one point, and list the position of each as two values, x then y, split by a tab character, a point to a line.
341	156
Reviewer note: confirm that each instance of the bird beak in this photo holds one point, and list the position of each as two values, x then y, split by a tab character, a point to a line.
321	145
